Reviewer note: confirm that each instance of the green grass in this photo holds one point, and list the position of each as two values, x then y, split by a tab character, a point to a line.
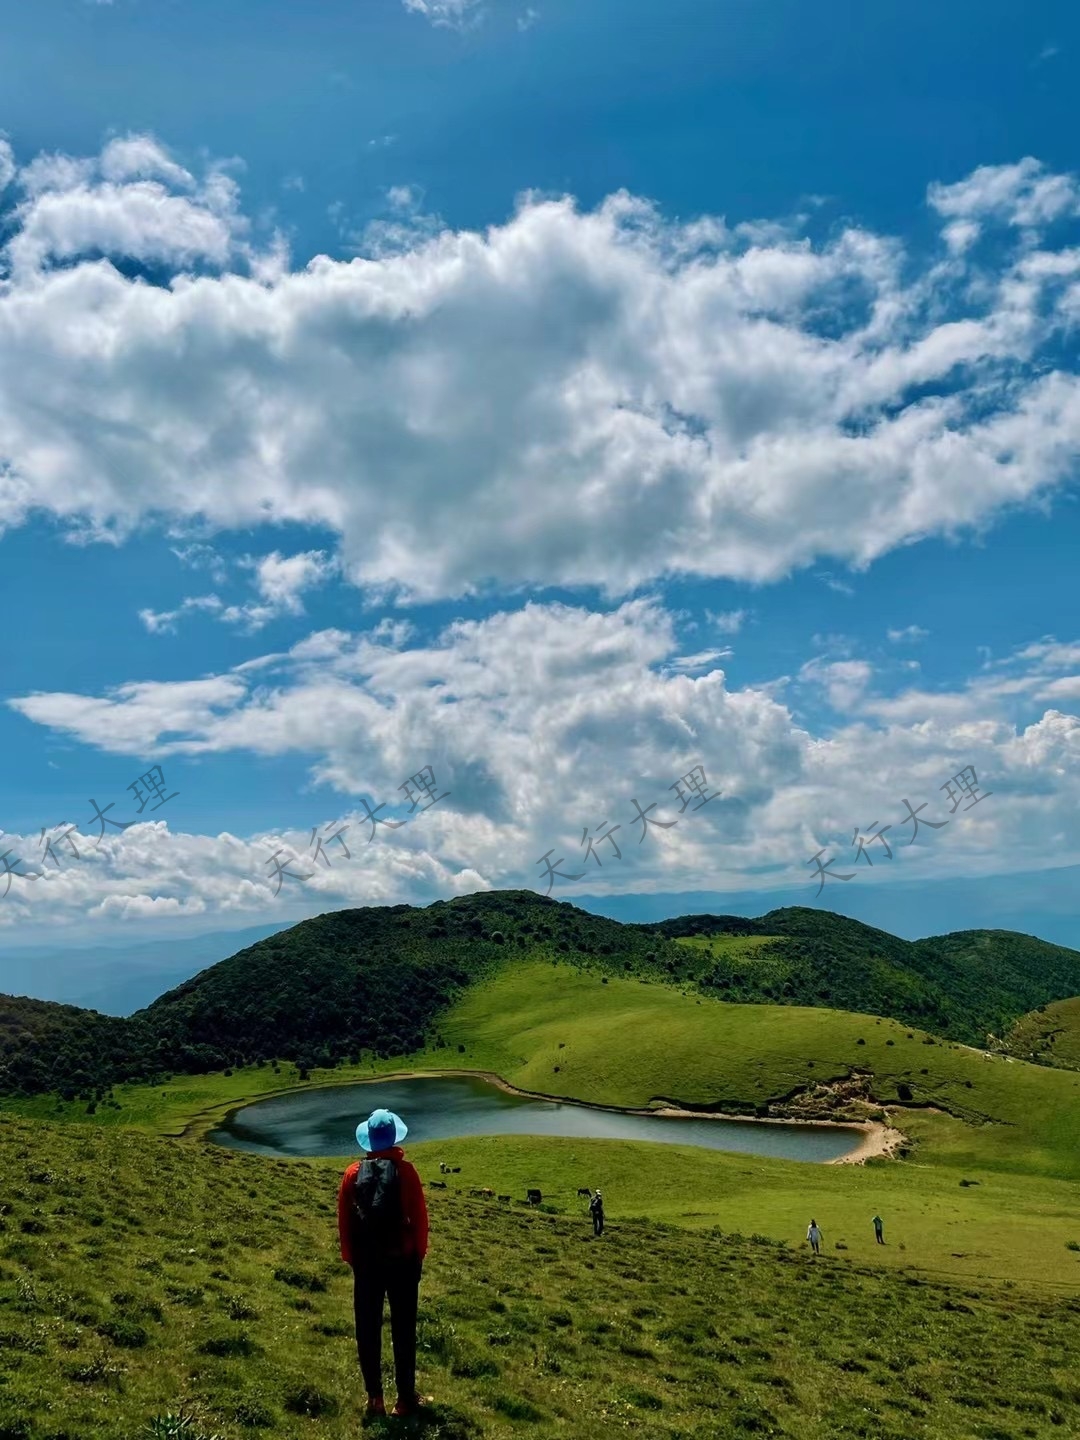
742	948
625	1043
141	1276
1050	1035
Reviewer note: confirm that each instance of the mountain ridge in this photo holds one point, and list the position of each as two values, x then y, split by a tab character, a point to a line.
375	980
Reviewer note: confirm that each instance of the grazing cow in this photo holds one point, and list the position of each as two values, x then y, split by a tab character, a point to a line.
488	1192
456	1170
584	1190
444	1169
437	1184
533	1197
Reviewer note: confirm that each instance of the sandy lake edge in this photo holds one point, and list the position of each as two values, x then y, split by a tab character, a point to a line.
876	1139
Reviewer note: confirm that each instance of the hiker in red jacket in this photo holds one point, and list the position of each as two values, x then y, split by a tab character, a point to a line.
383	1225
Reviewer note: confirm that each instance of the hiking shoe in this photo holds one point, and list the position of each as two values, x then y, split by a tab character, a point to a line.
376	1405
409	1407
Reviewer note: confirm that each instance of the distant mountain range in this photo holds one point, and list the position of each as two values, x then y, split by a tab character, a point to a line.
1035	902
377	980
117	979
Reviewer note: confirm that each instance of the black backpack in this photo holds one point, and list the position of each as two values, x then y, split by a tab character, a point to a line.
378	1213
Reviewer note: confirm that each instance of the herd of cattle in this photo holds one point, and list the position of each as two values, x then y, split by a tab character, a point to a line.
532	1197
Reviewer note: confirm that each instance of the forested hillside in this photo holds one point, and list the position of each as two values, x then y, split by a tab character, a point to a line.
966	985
376	980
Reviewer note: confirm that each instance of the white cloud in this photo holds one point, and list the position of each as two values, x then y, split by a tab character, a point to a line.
140	157
203	557
280	581
728	622
528	18
833	583
910	634
540	722
451	14
703	660
165	620
1022	194
410	226
124	205
607	397
7	163
844	681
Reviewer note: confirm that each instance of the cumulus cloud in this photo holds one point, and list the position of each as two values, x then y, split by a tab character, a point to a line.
1023	194
124	205
844	681
549	720
599	398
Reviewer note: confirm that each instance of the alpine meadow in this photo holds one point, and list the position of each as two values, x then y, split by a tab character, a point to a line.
539	720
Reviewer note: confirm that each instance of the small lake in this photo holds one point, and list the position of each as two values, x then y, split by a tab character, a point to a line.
323	1122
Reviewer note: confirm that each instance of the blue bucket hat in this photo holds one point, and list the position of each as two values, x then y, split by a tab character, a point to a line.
381	1130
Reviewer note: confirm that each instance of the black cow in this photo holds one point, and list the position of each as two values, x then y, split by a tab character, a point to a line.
534	1197
585	1191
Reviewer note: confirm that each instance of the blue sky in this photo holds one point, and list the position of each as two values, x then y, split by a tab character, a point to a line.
559	396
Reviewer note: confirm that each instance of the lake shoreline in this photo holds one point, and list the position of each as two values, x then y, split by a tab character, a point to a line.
876	1139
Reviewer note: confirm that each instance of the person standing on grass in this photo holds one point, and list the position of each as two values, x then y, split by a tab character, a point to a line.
383	1229
596	1210
877	1230
813	1234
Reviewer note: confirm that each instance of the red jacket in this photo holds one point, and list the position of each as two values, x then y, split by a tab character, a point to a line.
412	1198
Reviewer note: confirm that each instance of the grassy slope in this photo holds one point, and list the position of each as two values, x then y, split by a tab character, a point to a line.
375	982
1049	1035
144	1274
626	1043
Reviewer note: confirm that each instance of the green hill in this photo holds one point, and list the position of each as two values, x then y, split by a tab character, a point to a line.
375	982
967	985
1049	1035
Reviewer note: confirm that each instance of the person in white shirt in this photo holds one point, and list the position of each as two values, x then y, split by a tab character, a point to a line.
813	1234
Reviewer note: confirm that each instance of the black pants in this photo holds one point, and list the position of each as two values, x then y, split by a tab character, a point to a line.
398	1280
880	1237
598	1222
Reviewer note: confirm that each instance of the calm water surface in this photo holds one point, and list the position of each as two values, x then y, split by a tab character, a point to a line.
323	1122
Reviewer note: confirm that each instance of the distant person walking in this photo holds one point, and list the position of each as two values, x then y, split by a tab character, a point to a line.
596	1210
813	1234
877	1230
383	1228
